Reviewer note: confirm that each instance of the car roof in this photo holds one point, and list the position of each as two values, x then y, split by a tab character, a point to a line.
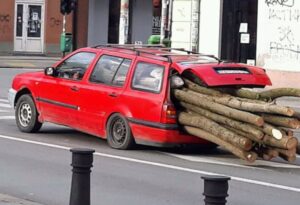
160	52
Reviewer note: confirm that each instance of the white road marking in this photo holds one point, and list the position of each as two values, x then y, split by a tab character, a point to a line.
4	100
240	179
215	160
4	110
7	117
5	105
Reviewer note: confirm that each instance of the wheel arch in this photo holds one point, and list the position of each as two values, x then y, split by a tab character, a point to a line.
21	92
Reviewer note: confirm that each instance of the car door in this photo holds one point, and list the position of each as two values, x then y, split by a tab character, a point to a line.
102	94
58	95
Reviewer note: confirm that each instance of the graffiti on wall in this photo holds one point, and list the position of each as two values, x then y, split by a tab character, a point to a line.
279	24
5	24
285	45
55	22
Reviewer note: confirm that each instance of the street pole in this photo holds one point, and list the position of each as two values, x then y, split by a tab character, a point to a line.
164	12
215	189
124	22
64	29
82	161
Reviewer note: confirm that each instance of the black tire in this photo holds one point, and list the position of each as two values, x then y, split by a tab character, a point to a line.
26	115
119	134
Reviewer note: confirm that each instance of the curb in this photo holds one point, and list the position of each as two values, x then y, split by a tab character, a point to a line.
10	200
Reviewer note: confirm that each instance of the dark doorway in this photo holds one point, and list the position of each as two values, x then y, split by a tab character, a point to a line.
236	12
113	22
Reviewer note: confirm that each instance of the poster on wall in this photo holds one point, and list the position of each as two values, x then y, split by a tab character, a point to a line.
278	35
156	17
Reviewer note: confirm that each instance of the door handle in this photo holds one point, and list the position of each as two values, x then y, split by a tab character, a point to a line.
74	88
113	94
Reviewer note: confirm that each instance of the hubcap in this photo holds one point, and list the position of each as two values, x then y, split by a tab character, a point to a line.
25	114
119	131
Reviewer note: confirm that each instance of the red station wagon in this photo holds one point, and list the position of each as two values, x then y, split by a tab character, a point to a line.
121	92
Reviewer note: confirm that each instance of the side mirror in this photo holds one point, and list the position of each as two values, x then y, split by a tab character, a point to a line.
49	71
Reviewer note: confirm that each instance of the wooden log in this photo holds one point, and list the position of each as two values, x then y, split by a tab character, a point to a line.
279	92
197	88
218	108
284	143
271	131
248	156
214	128
245	127
247	106
288	122
286	152
243	93
244	134
289	159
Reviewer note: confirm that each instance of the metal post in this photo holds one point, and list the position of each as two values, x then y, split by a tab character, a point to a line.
82	161
124	22
163	24
215	190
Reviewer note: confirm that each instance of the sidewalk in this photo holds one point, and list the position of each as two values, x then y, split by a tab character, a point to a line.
9	200
27	61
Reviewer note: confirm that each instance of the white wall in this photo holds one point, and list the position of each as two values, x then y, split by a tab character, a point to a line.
278	35
210	27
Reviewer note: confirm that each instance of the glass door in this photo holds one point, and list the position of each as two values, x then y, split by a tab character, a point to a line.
29	28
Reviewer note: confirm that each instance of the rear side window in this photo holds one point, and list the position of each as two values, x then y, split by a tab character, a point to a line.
111	70
148	77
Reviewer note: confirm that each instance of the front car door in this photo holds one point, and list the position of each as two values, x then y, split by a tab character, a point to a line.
59	94
102	94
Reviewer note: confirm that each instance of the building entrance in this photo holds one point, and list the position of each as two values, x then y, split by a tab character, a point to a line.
239	27
29	26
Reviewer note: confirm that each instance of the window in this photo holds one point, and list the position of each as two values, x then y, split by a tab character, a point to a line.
111	70
148	77
75	66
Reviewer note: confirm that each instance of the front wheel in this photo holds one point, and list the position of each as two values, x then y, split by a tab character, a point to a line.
27	115
119	134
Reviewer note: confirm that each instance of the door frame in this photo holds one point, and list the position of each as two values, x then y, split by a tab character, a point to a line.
26	3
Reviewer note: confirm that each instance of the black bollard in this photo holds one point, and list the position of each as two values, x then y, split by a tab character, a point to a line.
215	190
82	161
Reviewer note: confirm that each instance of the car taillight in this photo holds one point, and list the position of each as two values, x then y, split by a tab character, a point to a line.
168	113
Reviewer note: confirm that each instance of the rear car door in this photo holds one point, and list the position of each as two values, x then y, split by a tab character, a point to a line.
59	94
103	91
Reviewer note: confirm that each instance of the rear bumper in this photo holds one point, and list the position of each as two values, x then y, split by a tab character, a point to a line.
161	137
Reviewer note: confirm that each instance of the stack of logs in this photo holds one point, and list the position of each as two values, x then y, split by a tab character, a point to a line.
249	124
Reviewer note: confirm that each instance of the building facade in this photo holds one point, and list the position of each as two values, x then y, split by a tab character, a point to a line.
35	26
265	33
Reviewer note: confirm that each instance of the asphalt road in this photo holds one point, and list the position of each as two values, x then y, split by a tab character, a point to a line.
37	167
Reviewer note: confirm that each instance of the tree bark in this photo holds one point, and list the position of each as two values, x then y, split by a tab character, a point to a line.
272	131
218	108
248	156
214	128
279	92
288	122
247	106
283	143
201	89
245	127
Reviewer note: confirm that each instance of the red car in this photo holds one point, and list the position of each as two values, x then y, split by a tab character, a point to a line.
121	93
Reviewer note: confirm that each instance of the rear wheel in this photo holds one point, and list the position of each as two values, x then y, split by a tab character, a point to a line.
119	134
27	115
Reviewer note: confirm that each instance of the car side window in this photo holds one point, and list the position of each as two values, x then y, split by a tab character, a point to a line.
148	77
75	66
111	70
